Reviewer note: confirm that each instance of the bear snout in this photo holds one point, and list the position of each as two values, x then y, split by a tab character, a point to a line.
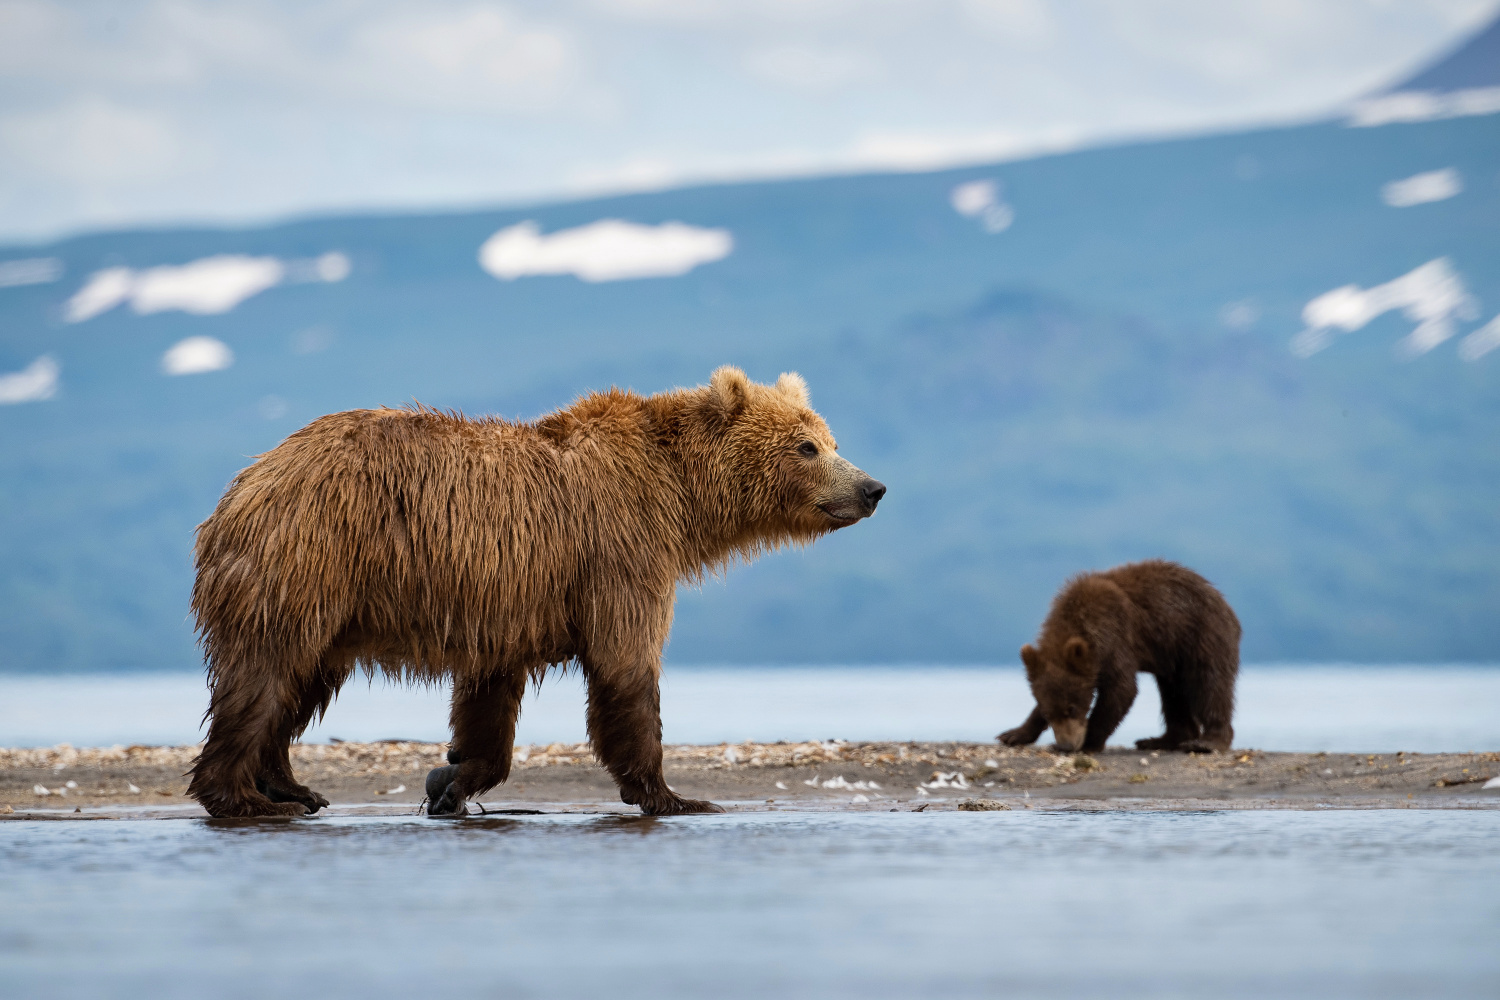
1068	733
871	490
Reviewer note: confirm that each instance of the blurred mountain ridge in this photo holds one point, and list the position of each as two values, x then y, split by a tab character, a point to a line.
1055	364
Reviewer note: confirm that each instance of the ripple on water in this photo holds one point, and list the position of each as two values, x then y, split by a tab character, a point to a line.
1377	903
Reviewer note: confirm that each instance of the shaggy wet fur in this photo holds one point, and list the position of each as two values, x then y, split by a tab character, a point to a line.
1154	616
431	546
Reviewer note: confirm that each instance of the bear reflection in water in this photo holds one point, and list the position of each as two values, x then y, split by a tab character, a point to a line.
1153	616
433	547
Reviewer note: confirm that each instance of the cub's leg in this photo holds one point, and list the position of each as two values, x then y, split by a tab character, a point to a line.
253	694
1111	703
1212	702
624	721
276	780
484	717
1027	732
1178	713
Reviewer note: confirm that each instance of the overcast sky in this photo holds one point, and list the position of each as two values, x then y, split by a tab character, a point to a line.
118	114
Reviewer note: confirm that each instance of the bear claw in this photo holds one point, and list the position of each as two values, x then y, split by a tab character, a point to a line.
681	807
301	795
444	799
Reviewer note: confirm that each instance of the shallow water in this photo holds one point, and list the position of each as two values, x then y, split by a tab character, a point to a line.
1020	904
1343	708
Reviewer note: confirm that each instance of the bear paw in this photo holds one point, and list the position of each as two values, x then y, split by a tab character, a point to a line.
444	798
288	793
678	806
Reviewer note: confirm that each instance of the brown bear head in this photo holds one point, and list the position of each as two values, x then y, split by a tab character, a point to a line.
1063	674
778	466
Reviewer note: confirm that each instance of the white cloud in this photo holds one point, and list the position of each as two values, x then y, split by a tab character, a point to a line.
204	287
1435	185
30	271
1029	21
470	56
1424	106
807	67
1481	342
195	355
1433	296
244	109
93	140
36	381
607	250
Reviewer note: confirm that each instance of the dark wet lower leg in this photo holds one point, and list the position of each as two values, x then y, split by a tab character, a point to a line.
484	735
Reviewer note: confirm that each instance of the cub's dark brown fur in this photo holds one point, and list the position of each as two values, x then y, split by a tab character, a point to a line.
432	546
1152	616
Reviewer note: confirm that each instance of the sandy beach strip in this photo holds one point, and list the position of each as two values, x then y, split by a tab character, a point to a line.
66	782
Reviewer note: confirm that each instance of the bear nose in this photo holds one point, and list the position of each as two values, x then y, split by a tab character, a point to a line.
873	489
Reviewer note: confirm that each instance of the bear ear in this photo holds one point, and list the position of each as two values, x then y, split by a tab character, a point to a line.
1032	660
793	387
731	389
1076	655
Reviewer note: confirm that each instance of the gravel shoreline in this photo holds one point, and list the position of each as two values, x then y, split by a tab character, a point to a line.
386	777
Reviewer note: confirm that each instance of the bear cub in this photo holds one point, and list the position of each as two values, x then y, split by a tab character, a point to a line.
1153	616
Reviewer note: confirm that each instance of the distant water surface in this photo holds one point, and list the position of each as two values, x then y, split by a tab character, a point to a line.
1322	707
873	905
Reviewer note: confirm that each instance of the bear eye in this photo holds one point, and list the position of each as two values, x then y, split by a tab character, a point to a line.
807	449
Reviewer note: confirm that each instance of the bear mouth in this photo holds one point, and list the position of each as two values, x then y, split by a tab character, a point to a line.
840	520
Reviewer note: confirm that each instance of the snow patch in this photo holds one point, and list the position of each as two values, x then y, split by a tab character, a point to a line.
1424	106
30	271
1419	189
607	250
1240	315
204	287
983	200
195	355
1481	342
1432	296
37	381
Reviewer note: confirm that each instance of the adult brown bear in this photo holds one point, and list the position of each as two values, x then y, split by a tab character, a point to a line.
1153	616
433	546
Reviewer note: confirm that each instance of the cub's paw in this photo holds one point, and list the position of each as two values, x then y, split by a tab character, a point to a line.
1155	743
1017	737
1197	746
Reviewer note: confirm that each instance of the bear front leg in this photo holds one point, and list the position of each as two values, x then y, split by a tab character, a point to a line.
484	717
1111	703
1027	732
624	721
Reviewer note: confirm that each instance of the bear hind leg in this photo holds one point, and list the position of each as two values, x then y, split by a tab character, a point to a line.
252	697
1181	727
276	780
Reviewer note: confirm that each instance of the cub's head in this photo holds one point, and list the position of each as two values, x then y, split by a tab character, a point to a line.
1063	674
788	477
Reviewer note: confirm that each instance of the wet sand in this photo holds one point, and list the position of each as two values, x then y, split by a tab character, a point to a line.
117	782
